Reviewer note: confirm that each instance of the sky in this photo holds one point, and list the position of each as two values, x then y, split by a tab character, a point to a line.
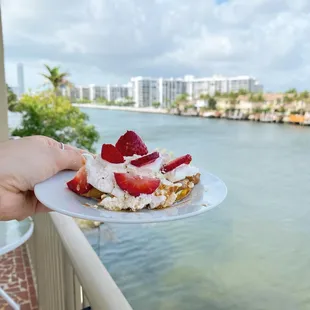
109	41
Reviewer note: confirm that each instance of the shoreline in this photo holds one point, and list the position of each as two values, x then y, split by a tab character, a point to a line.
118	108
261	118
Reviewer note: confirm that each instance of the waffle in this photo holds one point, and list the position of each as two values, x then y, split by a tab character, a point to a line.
173	194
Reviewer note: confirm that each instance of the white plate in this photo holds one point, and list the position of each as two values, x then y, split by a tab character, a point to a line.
53	193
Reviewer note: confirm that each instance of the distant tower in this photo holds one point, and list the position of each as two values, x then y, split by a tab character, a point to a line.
20	79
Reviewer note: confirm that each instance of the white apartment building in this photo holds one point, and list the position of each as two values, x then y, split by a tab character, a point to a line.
169	90
145	91
197	86
73	93
97	92
148	90
109	92
93	92
118	92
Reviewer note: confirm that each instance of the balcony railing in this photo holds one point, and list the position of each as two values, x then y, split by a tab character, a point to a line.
68	273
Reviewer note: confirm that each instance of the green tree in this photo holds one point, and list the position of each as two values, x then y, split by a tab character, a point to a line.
101	100
53	116
84	100
204	97
242	92
12	98
292	91
180	102
56	78
232	97
212	103
257	97
304	95
156	104
288	99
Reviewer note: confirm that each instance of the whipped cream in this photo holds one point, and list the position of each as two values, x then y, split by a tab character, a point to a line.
181	172
100	174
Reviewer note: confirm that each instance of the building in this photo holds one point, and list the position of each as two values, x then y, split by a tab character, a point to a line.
97	92
169	90
94	92
242	82
110	92
145	91
202	86
73	93
20	79
117	92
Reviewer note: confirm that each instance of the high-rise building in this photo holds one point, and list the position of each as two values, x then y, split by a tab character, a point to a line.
221	84
169	90
117	92
145	91
20	79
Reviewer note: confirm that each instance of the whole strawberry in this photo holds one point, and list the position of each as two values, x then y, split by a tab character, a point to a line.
130	143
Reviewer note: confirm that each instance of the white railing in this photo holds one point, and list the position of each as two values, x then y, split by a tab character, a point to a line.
68	273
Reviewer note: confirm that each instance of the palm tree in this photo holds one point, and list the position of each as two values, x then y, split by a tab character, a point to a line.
304	98
180	101
204	97
232	96
288	99
291	91
56	78
257	98
217	94
243	92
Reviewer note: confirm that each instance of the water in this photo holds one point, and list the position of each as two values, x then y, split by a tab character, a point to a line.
251	253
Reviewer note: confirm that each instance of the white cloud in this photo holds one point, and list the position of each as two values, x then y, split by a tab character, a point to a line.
101	41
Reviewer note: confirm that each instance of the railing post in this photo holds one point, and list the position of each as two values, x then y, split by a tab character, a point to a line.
4	129
64	262
57	286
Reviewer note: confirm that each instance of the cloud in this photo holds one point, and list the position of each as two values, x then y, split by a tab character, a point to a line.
101	41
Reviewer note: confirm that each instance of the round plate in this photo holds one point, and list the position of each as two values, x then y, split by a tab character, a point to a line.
54	194
13	234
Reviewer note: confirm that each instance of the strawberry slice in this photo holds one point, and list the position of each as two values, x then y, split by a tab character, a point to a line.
186	159
145	160
130	143
111	154
79	183
136	185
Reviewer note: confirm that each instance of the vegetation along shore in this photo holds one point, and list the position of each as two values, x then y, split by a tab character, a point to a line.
290	107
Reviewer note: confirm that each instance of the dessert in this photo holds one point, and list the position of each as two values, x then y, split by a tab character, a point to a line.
126	176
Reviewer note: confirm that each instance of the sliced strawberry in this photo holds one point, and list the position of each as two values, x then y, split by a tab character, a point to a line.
111	154
136	185
130	143
145	160
186	159
79	183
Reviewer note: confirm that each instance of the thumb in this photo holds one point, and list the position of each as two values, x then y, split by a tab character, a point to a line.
68	159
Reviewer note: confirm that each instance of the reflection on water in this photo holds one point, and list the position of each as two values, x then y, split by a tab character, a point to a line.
252	253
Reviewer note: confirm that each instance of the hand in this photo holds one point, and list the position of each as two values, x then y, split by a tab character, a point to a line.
24	163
